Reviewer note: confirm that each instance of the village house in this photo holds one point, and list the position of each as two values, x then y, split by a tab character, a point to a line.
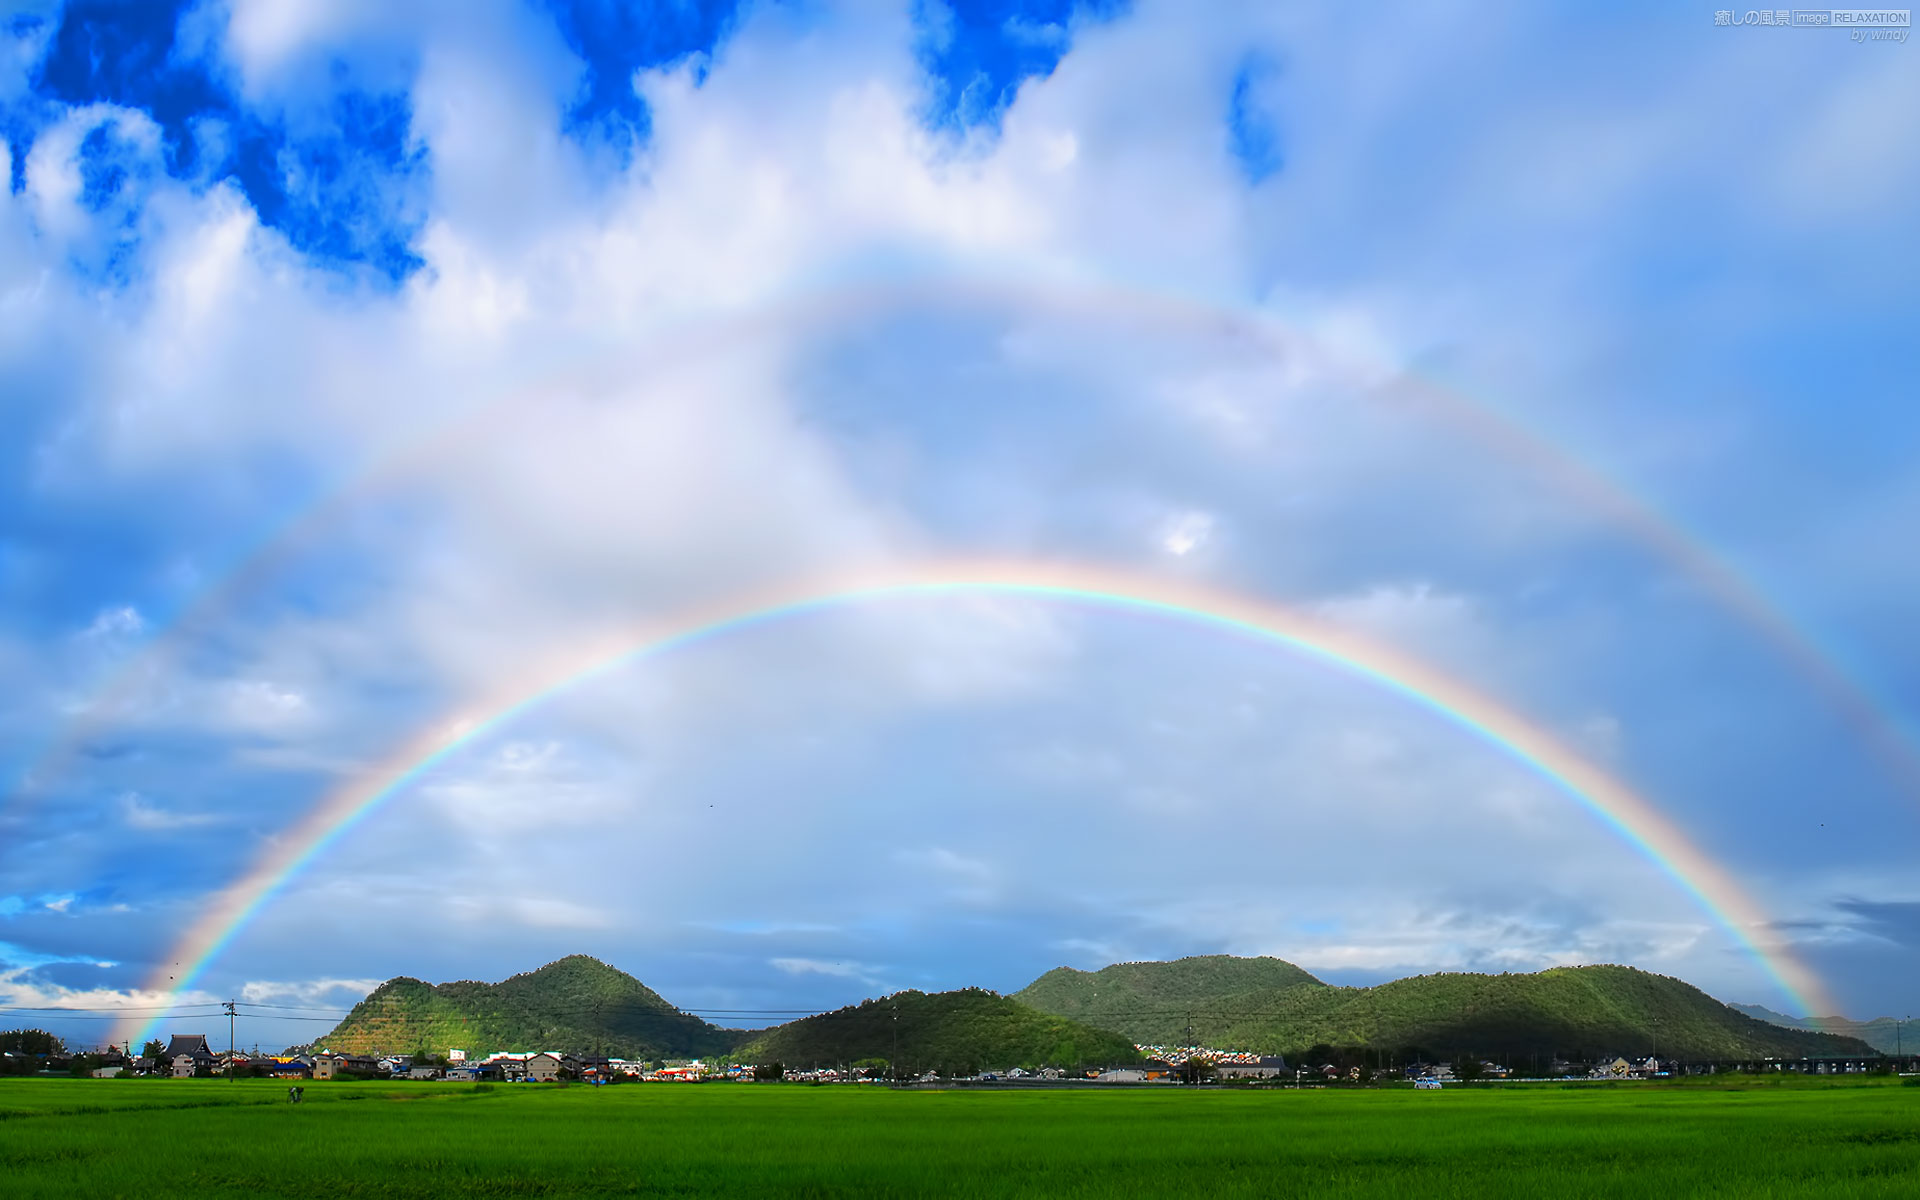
550	1065
112	1064
1268	1066
691	1072
512	1067
1152	1071
330	1066
187	1055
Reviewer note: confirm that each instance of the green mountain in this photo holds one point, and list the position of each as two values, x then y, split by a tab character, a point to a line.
1884	1034
949	1032
1576	1012
579	1005
1152	1002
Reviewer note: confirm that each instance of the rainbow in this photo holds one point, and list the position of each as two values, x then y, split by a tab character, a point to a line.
819	303
1628	814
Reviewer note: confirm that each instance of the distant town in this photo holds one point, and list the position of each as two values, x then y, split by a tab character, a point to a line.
190	1056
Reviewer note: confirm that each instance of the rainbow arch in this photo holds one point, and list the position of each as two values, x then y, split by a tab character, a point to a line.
1631	816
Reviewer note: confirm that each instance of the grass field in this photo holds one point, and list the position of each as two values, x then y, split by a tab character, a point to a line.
151	1138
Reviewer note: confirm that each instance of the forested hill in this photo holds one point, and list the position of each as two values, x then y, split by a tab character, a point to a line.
1579	1012
1884	1034
1152	1002
578	1005
950	1032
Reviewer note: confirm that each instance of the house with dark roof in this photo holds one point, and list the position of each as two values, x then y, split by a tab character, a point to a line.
188	1043
187	1054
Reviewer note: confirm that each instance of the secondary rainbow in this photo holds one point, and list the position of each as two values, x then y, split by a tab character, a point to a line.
821	302
1630	815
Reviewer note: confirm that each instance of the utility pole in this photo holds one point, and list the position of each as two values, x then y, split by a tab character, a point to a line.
893	1064
231	1075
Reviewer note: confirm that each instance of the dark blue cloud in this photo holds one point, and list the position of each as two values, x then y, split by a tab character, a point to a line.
979	52
342	189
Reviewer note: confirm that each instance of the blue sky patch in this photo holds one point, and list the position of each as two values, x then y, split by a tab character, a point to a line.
1252	130
346	193
617	39
979	52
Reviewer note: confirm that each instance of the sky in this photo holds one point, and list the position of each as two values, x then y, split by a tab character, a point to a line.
360	361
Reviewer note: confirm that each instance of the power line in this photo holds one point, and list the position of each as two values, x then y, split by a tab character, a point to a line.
181	1016
297	1007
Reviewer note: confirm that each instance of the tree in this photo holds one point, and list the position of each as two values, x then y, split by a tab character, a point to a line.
1197	1069
767	1072
30	1041
1466	1068
153	1049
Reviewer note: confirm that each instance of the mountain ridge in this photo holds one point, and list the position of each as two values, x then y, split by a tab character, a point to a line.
1068	1017
960	1032
1885	1034
1582	1012
575	1004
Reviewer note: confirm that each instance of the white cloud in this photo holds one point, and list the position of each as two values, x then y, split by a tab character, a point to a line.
837	969
1186	533
323	992
119	622
261	704
53	180
962	877
528	912
18	991
142	815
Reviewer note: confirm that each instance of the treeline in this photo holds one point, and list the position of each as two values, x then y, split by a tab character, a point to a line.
31	1051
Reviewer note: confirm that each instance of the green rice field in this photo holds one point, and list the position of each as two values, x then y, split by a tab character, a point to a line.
156	1138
